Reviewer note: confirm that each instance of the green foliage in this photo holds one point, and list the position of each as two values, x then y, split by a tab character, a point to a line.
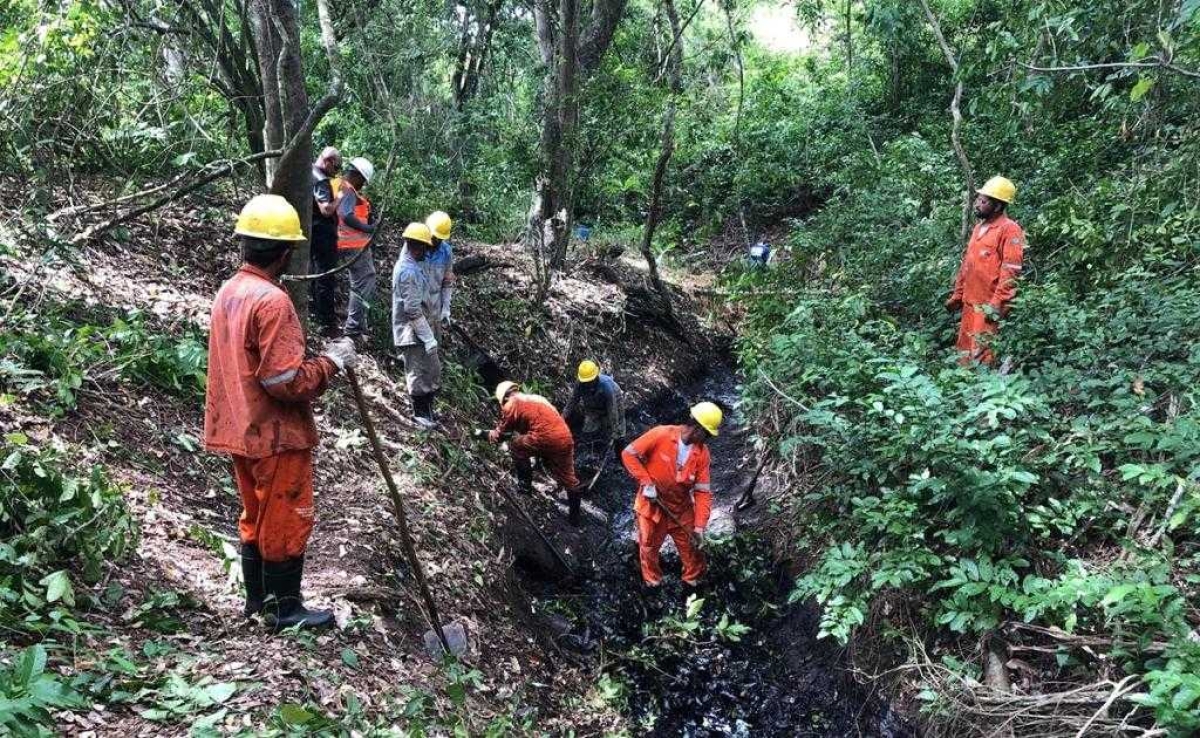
1064	490
28	693
58	529
50	354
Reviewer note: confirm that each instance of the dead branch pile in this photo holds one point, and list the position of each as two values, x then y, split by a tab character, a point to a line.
966	707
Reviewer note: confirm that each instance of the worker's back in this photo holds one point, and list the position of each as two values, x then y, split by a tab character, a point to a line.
534	415
256	341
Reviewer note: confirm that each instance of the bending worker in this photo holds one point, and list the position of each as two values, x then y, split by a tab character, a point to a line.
539	432
414	317
595	413
258	410
354	242
987	279
671	466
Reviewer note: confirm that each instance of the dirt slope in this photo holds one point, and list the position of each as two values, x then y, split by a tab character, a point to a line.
169	266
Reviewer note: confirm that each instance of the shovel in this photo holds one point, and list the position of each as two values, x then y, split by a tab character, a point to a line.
487	367
405	537
692	532
529	520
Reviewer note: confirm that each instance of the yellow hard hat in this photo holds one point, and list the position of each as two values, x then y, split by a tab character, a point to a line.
999	188
708	416
270	217
418	232
439	223
502	390
588	371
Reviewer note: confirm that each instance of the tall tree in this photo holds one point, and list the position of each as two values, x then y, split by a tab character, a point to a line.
289	119
568	53
673	64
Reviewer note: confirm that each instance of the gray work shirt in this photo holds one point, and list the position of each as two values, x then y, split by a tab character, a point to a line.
413	310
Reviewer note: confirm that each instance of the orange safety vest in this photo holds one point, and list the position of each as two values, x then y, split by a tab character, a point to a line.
349	237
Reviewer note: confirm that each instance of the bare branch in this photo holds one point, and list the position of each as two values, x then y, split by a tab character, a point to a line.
222	170
1150	62
956	120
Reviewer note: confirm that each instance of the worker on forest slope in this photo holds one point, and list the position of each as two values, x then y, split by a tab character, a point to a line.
354	236
542	433
258	410
596	412
323	251
987	279
671	466
439	266
414	320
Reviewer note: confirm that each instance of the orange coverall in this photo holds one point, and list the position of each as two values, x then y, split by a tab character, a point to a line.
684	489
541	432
257	409
988	276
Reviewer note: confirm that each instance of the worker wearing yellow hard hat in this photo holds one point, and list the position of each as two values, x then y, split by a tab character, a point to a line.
439	266
539	432
596	415
414	324
258	379
670	464
987	280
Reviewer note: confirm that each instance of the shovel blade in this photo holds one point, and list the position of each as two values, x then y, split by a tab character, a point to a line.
456	636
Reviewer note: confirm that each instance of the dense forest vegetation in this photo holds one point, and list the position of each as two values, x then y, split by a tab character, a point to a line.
1027	530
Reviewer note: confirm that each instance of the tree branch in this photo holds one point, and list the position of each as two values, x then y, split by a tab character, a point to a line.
226	168
956	119
1150	62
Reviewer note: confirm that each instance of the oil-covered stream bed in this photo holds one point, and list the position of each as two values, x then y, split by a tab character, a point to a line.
734	658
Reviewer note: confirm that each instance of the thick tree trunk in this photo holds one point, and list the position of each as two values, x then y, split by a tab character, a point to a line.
674	64
569	55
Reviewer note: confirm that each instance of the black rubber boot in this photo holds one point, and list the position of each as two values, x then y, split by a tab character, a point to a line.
524	471
423	411
284	608
252	574
573	497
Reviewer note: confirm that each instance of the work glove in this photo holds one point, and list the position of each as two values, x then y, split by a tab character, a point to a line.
444	315
342	353
650	492
430	344
954	304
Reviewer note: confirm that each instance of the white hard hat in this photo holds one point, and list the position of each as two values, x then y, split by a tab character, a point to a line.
363	167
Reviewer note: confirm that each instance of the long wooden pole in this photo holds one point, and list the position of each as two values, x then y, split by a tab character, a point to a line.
398	503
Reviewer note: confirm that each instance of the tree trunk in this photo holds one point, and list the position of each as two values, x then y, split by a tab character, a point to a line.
568	55
289	121
666	150
735	42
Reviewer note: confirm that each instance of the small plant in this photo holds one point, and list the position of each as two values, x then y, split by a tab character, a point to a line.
28	693
58	529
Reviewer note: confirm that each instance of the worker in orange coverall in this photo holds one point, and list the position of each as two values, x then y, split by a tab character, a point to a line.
987	279
674	497
542	433
258	411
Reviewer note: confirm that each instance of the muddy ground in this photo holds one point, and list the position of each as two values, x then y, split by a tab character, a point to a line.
776	679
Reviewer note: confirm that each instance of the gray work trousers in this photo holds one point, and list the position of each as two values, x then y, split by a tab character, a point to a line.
422	371
362	291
